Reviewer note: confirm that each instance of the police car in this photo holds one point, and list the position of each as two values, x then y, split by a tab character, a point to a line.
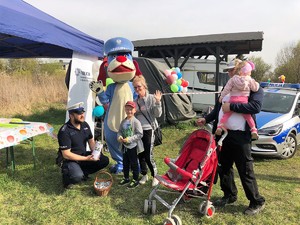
278	122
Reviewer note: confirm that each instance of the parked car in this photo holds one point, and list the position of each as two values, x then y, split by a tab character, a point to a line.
278	122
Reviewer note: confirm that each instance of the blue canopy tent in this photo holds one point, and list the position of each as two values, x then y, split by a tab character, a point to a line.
27	32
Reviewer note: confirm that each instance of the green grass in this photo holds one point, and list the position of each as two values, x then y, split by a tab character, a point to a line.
36	196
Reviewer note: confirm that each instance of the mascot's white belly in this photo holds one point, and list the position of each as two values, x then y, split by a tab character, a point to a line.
122	94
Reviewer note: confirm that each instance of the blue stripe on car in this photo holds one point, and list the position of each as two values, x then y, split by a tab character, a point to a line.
281	137
264	117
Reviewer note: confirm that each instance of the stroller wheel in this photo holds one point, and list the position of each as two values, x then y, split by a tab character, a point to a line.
210	211
177	219
153	207
169	221
207	209
146	206
186	198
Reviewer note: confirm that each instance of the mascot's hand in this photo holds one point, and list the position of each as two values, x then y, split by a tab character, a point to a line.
96	87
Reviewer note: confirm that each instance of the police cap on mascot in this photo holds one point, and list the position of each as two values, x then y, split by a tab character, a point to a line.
121	68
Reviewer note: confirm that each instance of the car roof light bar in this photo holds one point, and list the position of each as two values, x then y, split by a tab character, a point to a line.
280	85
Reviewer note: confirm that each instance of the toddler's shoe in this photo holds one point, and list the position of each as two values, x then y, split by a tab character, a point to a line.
133	184
155	182
218	131
124	181
144	179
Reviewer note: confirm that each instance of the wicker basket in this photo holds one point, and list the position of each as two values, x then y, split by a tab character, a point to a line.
103	183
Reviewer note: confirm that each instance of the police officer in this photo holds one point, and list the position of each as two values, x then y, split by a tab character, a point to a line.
237	149
73	137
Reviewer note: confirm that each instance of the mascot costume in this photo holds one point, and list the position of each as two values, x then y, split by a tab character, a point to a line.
120	67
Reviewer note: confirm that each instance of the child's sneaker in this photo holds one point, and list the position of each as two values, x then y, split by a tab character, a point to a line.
144	179
133	184
218	131
155	182
124	181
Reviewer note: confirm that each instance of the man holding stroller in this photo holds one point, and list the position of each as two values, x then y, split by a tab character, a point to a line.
237	149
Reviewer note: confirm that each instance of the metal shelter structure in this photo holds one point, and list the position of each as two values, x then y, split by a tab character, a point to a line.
202	46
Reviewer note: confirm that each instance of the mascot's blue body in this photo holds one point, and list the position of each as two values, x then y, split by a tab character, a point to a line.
121	69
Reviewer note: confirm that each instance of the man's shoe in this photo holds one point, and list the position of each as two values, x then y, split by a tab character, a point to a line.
69	186
133	184
222	202
254	209
124	181
144	179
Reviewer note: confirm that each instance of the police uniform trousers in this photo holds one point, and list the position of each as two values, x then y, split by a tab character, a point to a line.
237	149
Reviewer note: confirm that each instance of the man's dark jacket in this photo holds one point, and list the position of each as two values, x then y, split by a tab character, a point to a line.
252	107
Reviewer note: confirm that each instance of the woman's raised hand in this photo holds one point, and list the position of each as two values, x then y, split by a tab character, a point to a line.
157	95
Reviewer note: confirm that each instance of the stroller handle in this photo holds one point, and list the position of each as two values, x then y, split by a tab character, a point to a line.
177	169
220	142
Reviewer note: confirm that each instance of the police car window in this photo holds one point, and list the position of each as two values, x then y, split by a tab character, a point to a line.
277	102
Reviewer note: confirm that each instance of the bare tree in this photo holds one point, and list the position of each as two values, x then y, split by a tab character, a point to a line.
288	63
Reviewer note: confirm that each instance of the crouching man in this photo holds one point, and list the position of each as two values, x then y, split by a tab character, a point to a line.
73	136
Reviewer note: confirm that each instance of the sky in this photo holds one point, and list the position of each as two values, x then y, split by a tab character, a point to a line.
150	19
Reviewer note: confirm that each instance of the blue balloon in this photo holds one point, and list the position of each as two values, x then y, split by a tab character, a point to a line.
177	70
179	75
98	111
179	88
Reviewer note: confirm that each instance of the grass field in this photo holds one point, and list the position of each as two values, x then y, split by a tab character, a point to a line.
36	196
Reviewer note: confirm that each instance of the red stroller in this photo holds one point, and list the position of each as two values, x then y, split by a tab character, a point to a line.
192	175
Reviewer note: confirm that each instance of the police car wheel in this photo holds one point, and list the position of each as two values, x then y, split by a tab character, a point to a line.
290	147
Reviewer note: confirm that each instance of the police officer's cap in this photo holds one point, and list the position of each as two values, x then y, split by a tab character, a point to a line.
118	44
76	108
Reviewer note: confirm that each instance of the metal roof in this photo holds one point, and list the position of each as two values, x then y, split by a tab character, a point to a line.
229	43
201	46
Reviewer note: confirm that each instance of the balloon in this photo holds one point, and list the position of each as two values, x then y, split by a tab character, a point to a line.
109	81
179	88
179	75
184	83
184	89
175	76
174	88
177	70
179	82
170	80
98	111
167	72
173	72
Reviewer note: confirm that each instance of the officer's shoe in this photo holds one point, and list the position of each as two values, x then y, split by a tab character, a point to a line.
254	209
222	202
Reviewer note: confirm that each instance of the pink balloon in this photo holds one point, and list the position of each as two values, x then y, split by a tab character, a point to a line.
175	76
167	72
170	80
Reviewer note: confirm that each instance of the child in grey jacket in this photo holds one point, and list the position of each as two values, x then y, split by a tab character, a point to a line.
130	136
